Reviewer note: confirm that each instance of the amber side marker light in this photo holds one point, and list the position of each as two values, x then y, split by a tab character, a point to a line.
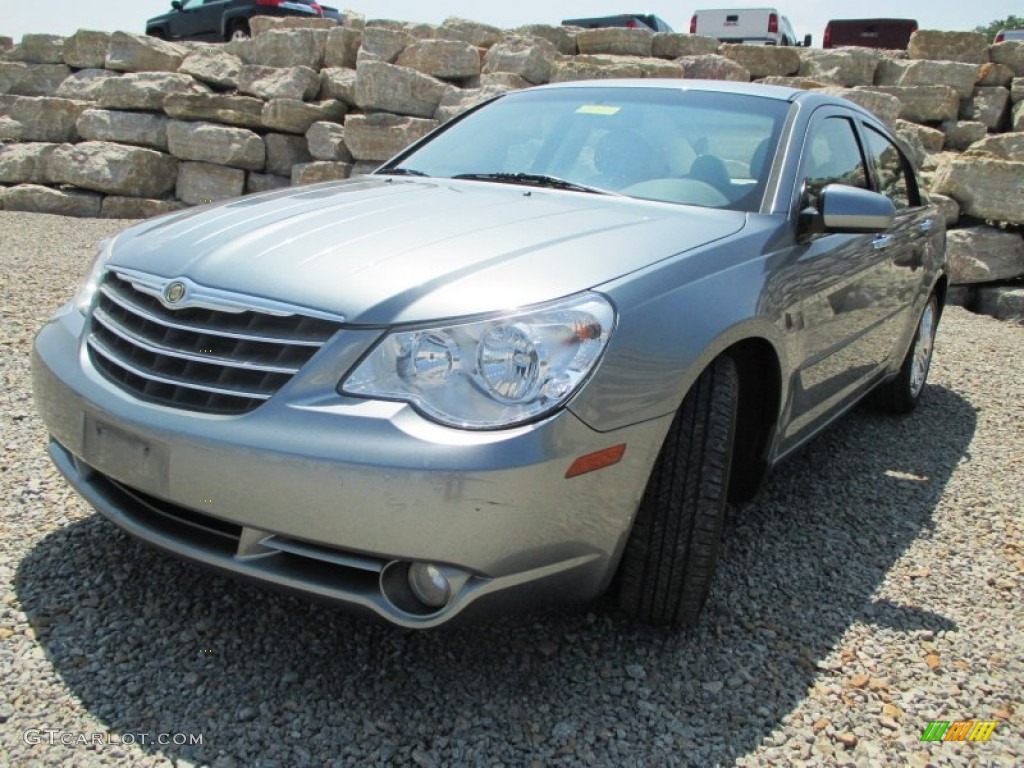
595	461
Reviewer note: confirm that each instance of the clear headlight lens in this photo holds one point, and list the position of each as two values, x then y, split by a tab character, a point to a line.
490	373
87	290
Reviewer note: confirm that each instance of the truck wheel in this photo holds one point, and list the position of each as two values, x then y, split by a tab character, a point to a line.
901	394
669	560
238	30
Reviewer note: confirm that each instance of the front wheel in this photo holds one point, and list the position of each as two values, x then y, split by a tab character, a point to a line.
901	394
238	30
669	560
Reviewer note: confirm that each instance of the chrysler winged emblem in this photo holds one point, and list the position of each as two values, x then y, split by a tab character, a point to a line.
174	292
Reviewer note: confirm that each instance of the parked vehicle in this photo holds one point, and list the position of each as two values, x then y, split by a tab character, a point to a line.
541	347
1008	34
893	34
751	26
631	20
225	19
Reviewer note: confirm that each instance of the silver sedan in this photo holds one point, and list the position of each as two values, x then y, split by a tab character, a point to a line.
531	358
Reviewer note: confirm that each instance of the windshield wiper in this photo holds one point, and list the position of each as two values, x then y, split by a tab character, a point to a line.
402	172
534	179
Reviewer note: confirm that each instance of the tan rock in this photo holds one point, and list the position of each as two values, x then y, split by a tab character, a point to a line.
988	105
326	141
970	47
283	48
86	49
342	47
713	66
986	188
203	183
130	52
39	118
1010	54
383	44
320	171
959	76
38	49
922	104
389	88
265	182
764	60
931	139
603	66
1001	302
672	45
285	151
218	144
217	68
848	67
26	163
991	75
118	207
300	83
61	202
338	83
244	111
259	25
84	84
32	79
115	169
472	32
531	58
458	100
443	59
617	41
560	37
1007	146
983	254
380	136
502	80
948	207
145	90
139	128
294	116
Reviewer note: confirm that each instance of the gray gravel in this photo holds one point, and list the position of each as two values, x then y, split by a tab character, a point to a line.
875	585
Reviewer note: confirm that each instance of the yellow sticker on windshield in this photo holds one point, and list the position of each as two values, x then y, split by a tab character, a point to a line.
597	109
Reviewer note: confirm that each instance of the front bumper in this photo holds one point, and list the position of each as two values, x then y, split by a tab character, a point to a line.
332	496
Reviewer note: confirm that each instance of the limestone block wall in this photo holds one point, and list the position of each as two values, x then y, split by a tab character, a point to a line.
125	126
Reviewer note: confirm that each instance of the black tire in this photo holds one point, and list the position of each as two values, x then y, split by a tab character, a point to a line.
238	30
669	560
902	393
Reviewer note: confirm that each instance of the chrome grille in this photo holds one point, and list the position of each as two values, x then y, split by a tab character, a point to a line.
199	357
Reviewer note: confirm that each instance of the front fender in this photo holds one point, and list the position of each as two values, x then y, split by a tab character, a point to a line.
676	316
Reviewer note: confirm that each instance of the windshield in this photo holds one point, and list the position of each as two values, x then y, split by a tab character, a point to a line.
671	145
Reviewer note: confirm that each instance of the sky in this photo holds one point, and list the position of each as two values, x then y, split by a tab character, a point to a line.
63	17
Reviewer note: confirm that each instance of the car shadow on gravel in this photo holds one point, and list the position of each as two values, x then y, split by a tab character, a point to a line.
150	645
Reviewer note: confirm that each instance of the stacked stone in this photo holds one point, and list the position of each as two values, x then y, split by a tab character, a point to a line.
125	125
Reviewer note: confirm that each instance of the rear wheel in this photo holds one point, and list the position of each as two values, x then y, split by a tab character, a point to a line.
238	30
669	560
901	394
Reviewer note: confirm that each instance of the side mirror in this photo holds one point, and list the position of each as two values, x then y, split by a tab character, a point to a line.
851	210
176	5
808	40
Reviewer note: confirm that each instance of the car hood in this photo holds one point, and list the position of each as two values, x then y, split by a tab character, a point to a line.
380	251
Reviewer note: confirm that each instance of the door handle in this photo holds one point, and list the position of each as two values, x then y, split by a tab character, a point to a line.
882	241
925	225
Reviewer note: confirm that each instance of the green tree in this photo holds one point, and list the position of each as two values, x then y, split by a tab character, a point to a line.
990	29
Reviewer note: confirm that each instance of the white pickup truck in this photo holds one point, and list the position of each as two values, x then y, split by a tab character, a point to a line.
753	26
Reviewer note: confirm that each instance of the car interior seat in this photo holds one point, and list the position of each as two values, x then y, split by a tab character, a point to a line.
624	157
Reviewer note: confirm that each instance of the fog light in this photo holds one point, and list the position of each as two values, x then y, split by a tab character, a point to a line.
429	585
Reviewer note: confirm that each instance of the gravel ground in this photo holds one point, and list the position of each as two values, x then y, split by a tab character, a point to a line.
874	586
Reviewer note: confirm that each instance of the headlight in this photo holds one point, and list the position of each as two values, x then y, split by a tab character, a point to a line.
87	290
490	373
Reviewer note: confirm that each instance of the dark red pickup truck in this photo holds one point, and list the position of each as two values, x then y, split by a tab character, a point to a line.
869	33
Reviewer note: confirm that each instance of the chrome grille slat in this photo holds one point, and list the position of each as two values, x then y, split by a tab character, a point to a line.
199	358
128	306
97	346
111	325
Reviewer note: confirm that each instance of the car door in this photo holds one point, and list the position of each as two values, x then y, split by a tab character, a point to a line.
843	338
909	240
198	20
